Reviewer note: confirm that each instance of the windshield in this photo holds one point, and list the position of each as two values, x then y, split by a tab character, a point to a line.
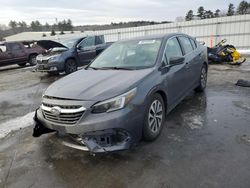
131	55
70	43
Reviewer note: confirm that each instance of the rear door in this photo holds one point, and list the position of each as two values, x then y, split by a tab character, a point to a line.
175	77
5	56
86	50
192	61
198	59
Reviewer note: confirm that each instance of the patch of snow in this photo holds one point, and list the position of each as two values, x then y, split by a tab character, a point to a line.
16	124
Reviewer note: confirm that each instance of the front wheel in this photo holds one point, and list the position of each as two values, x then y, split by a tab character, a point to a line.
32	60
203	79
70	66
154	119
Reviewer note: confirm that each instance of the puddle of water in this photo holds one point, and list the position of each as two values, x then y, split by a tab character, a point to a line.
242	105
16	124
192	120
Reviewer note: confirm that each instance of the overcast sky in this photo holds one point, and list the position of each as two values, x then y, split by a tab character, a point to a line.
102	11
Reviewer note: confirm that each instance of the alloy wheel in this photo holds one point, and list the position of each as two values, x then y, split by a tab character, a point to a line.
155	116
203	77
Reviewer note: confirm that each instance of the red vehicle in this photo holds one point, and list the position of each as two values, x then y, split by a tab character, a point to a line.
20	53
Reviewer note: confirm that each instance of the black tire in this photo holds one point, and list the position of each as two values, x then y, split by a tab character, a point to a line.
203	79
22	64
70	66
152	123
32	59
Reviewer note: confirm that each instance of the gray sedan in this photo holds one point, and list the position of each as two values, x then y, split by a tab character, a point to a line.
124	95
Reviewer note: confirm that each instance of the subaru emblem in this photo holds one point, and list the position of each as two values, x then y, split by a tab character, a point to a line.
56	110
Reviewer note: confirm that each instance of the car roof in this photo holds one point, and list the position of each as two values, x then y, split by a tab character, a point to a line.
159	36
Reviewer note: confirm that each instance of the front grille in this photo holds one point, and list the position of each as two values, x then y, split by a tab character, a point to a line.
66	114
42	61
63	106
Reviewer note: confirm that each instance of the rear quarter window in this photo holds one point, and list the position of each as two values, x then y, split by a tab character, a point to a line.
186	45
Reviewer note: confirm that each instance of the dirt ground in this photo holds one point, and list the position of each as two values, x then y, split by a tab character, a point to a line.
205	143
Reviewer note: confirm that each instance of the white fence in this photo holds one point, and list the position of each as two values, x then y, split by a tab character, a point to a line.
236	29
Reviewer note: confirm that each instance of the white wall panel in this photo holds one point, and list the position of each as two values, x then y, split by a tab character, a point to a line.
236	29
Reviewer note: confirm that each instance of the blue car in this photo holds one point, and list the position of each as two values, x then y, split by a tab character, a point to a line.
124	95
68	55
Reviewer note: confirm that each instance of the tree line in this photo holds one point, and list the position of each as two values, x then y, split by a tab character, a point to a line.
242	8
64	25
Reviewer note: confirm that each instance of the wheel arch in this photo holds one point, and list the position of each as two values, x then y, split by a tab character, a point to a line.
36	54
73	58
162	93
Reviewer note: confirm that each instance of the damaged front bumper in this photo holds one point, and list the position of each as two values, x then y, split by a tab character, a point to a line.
49	67
108	140
98	141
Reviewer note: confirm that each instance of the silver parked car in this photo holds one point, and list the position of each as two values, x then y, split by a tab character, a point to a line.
125	94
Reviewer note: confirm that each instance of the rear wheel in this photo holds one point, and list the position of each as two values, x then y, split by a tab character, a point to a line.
32	60
70	66
154	119
203	79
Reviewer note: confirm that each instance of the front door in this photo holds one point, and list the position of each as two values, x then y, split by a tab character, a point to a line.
175	77
86	50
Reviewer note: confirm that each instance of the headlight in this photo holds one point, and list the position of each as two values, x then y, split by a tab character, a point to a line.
53	58
114	103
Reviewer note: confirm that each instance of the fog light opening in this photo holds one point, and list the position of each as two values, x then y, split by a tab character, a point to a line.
53	69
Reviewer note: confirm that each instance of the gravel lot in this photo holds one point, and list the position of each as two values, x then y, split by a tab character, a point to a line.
205	143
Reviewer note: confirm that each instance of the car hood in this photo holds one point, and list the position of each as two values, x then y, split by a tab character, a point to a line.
50	44
96	85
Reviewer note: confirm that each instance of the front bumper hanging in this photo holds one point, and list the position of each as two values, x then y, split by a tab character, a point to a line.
39	128
96	141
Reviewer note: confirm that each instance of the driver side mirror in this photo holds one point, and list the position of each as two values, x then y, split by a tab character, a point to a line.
78	47
176	60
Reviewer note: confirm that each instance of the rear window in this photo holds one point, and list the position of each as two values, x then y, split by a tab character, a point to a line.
3	48
186	44
193	43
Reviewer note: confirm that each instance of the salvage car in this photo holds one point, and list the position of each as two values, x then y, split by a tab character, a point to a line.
125	94
69	54
21	53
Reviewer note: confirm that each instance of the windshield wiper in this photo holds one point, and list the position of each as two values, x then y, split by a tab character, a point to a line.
117	68
94	68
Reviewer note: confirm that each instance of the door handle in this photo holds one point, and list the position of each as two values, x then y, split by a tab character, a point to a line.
187	65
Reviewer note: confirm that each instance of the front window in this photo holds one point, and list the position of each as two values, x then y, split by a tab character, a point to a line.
87	42
173	49
14	46
136	54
